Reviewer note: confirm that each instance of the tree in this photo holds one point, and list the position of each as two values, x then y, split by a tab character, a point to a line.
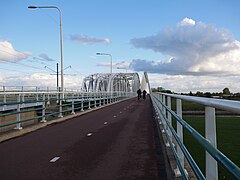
226	91
207	94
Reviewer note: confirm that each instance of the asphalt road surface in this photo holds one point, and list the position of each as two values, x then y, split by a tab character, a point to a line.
114	142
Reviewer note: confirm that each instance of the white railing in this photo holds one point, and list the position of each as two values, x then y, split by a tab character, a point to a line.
214	157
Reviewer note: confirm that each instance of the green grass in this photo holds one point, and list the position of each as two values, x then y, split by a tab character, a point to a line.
228	142
188	106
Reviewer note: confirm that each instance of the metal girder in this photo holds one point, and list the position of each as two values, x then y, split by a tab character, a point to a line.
109	82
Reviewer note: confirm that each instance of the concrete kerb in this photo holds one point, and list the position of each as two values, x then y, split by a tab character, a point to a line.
16	133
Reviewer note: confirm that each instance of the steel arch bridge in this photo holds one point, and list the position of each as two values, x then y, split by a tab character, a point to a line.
110	82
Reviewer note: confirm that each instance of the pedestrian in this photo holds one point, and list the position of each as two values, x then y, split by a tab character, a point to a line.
144	94
139	92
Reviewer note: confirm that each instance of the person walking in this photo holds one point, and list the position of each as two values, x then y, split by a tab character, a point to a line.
144	94
139	92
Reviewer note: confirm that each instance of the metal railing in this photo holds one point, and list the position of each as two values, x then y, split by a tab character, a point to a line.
164	112
34	89
18	109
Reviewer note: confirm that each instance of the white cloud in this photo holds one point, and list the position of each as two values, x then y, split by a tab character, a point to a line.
104	64
187	21
120	65
183	83
40	80
8	53
191	48
89	40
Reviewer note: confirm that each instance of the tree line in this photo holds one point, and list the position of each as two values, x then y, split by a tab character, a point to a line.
224	94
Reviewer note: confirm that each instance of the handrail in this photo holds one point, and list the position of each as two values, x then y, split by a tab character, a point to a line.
184	149
228	105
232	106
172	147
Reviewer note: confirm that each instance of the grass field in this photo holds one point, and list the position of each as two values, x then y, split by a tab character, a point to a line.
228	140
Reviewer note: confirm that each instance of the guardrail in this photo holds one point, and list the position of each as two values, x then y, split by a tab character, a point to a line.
19	108
163	109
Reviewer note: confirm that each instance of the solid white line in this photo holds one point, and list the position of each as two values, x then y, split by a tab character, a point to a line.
55	159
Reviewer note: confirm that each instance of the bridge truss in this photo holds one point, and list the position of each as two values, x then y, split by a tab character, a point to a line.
110	82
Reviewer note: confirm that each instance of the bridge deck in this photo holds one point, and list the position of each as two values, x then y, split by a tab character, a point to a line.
114	142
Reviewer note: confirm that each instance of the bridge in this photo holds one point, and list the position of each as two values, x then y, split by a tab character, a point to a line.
104	132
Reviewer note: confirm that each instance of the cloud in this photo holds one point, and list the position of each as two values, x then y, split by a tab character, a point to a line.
187	22
84	39
8	53
40	80
120	65
183	83
190	48
45	57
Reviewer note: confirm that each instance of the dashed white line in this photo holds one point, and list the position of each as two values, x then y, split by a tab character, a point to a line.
114	116
89	134
54	159
105	123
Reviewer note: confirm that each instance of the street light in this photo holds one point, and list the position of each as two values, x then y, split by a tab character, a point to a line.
61	43
106	54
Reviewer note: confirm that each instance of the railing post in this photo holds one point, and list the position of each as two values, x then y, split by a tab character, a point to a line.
180	135
72	104
104	100
37	93
169	116
48	97
18	118
164	112
60	107
82	105
100	99
89	102
4	98
95	100
43	110
210	134
161	109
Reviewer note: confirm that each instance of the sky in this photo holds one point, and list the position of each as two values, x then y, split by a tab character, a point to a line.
183	45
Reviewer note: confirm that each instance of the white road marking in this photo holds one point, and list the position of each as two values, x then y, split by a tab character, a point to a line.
114	116
120	112
54	159
105	123
89	134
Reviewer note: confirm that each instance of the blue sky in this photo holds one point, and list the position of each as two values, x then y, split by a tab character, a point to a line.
156	36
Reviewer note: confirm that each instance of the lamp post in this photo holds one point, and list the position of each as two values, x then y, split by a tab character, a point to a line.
106	54
61	52
61	43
